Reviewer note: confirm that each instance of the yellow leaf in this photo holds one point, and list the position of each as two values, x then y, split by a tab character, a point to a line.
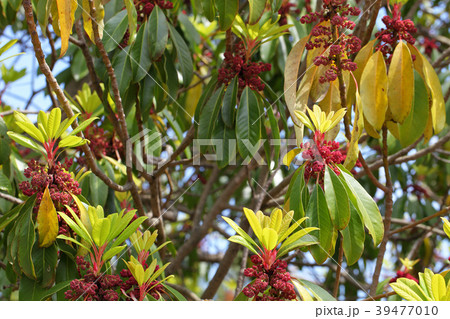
361	60
393	128
254	223
400	83
446	226
275	219
47	221
87	22
192	97
66	13
291	77
287	159
428	132
438	103
438	287
370	130
358	125
373	90
269	238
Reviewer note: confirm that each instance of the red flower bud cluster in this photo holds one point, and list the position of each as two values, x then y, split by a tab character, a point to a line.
336	12
130	286
319	154
429	45
235	64
101	143
403	274
60	185
92	287
395	31
286	9
144	8
276	280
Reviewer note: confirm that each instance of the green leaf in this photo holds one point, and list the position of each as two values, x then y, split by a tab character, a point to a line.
209	114
81	126
353	237
225	145
438	287
159	34
318	292
275	135
178	296
184	55
241	241
132	19
409	290
140	53
54	120
229	103
365	206
26	241
256	10
8	45
73	241
71	141
319	216
128	231
31	290
337	199
248	124
65	125
209	11
5	184
122	66
295	194
45	261
115	29
31	130
415	123
112	252
227	12
25	141
9	217
239	231
302	242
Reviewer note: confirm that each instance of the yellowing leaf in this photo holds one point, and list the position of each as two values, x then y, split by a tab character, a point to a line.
438	287
288	158
400	83
66	12
47	221
275	219
358	125
446	226
254	223
290	83
438	103
373	90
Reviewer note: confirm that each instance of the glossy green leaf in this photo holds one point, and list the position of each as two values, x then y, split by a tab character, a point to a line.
140	53
132	19
256	10
229	103
209	9
365	206
248	124
241	241
295	195
71	141
227	10
81	126
31	290
275	136
225	144
409	290
209	114
112	252
26	237
353	238
45	261
158	33
337	199
415	123
319	216
184	55
54	120
318	292
115	29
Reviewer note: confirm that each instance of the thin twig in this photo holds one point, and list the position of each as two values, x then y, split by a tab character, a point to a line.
388	204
